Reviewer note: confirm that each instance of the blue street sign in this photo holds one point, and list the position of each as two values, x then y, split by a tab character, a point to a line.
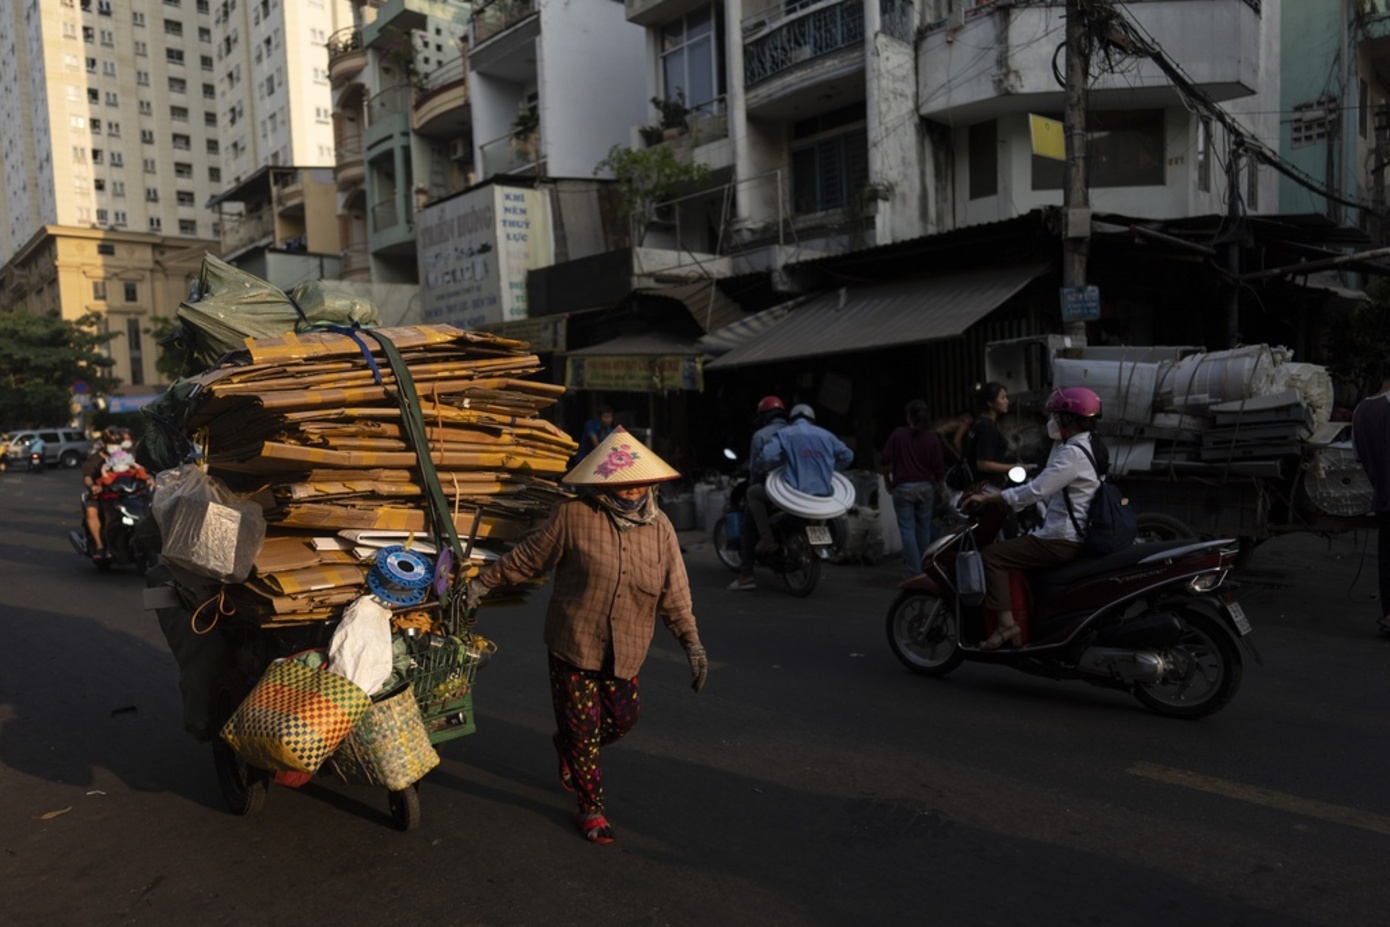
1080	303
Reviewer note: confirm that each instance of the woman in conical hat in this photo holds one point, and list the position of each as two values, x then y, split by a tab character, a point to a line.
617	566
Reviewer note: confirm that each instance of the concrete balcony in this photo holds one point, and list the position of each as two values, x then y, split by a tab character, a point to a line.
356	263
442	102
348	167
399	17
656	12
1217	42
501	39
239	232
506	155
289	194
388	116
792	62
347	55
392	229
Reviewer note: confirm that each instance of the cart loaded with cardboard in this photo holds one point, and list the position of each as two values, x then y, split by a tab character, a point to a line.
333	487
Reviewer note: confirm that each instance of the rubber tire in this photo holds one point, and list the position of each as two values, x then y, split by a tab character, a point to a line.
729	558
1210	632
796	545
909	605
69	460
244	787
405	808
1156	527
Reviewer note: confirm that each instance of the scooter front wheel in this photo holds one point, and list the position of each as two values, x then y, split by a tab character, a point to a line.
727	555
1204	673
922	633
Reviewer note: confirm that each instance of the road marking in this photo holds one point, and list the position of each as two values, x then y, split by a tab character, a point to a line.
1282	801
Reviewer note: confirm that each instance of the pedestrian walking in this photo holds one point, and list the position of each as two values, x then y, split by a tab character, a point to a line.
1370	434
915	466
617	566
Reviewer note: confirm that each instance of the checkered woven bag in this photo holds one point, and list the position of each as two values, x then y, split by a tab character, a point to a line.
294	717
389	747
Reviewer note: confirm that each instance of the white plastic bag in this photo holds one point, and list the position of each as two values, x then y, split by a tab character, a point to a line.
361	645
206	528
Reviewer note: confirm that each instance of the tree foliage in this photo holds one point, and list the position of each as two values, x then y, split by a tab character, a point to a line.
1360	342
645	178
41	357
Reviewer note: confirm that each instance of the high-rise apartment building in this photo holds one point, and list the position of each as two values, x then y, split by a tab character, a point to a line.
108	155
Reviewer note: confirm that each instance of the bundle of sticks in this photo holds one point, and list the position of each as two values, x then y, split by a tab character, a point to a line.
312	426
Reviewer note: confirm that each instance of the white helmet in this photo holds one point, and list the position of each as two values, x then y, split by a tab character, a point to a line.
802	410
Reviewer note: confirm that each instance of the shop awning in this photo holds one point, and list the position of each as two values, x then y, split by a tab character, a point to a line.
886	315
645	363
743	331
706	303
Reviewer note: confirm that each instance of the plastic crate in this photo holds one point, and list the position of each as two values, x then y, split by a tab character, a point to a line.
441	676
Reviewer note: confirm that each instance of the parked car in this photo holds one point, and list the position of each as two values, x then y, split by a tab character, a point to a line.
62	447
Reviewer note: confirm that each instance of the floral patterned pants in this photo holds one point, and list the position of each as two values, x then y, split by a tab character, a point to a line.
592	709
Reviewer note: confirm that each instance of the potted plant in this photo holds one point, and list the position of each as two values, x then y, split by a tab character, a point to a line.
651	135
673	113
525	129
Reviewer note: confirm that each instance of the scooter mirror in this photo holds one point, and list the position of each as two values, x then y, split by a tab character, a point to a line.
729	453
1017	474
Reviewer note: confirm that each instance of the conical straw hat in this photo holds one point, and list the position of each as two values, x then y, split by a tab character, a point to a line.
620	460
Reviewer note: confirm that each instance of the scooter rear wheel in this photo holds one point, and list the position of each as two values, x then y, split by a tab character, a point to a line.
797	565
727	556
922	633
1206	672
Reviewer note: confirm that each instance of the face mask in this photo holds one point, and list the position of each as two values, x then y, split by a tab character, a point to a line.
1054	431
126	445
628	505
112	448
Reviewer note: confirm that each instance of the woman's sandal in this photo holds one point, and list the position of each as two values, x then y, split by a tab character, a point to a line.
566	777
1010	635
595	828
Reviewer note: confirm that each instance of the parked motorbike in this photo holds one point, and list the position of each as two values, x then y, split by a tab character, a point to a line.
801	542
1158	620
35	462
125	504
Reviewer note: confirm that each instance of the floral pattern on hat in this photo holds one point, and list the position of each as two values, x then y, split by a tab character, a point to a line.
619	458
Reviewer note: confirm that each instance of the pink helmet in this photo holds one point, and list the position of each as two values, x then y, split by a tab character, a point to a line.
1074	400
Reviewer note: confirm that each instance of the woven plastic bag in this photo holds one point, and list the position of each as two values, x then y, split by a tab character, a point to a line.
389	747
207	529
295	717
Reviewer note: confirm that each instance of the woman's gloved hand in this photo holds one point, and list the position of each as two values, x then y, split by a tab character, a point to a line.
473	595
699	665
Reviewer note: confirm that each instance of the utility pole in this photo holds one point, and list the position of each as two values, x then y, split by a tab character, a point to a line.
1235	238
1076	201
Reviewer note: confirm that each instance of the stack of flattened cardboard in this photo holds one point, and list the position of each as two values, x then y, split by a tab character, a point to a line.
311	424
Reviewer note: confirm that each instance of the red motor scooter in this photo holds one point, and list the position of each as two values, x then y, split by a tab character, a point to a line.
1158	620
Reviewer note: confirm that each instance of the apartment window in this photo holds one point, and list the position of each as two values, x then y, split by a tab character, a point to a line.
209	119
1311	123
149	165
178	113
983	139
215	174
690	61
173	27
183	169
96	126
1204	154
142	49
173	3
132	292
117	159
89	34
178	85
173	55
69	30
182	142
830	160
204	34
103	7
137	357
188	227
155	224
203	6
93	95
1123	149
151	194
113	98
101	215
142	78
137	18
99	290
269	84
209	92
108	37
80	122
185	198
146	108
118	188
113	127
91	65
99	184
108	250
205	62
118	218
213	147
98	156
108	68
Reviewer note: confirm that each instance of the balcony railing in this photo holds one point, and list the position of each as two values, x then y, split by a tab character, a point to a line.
809	34
897	18
240	231
497	16
386	214
393	101
443	76
344	41
506	156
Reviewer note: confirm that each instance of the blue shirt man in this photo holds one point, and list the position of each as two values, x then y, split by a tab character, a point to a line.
810	454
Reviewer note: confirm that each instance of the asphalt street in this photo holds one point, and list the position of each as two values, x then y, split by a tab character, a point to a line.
814	781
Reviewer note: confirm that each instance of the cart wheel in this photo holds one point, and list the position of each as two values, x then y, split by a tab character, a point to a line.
405	808
244	787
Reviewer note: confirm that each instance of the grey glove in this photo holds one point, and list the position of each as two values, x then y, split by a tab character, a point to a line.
699	666
473	595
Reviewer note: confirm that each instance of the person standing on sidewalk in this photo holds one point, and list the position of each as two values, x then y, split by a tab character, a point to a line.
915	466
617	566
1370	434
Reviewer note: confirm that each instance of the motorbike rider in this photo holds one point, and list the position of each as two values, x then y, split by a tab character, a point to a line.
36	446
809	454
93	468
770	418
1072	415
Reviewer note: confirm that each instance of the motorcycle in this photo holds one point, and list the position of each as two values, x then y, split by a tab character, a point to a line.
802	542
1158	620
125	504
36	462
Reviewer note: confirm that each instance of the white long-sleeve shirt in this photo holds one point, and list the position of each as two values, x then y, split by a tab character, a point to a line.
1067	467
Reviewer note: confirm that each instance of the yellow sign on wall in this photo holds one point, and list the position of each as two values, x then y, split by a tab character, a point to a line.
1049	137
635	373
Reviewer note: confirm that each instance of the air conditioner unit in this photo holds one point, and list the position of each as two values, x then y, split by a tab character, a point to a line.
460	150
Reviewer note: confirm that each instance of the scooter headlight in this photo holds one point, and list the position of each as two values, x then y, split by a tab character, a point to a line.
1206	582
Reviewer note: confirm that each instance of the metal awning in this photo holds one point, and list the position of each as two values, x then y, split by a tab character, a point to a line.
886	315
742	331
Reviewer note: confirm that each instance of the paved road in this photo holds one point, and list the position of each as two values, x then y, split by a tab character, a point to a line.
813	782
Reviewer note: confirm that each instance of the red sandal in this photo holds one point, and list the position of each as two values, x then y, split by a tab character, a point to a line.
595	828
566	777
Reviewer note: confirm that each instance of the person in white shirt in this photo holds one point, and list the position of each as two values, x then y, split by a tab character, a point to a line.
1068	476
